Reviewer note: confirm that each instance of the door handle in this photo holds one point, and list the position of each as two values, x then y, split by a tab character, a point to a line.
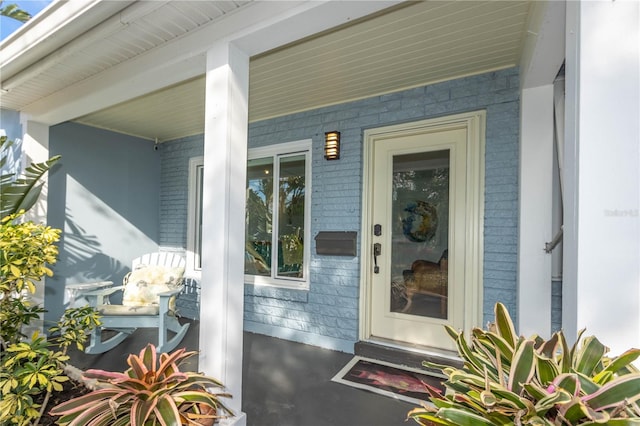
377	251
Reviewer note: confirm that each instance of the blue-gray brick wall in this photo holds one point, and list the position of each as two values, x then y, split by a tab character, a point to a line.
327	313
174	202
174	190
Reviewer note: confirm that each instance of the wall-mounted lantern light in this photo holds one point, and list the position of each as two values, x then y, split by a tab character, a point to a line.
332	145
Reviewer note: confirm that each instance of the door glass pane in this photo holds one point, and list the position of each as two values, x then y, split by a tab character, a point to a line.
291	216
420	234
259	217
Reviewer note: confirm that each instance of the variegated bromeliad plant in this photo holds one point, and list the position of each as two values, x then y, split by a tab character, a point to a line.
507	379
153	391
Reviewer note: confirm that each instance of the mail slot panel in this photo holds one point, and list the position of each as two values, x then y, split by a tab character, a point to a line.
336	243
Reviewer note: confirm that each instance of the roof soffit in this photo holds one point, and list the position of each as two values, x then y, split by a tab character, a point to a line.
181	58
57	25
391	50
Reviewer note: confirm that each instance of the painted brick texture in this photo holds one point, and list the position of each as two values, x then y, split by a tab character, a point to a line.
327	313
174	184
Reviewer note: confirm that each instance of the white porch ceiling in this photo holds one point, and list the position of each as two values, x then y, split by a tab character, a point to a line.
403	47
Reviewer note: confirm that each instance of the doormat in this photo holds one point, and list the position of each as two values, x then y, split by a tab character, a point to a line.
394	381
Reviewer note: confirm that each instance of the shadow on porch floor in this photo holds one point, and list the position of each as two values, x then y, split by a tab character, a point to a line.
284	383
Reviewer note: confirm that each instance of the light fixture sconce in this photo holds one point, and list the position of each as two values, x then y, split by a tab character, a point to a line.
332	145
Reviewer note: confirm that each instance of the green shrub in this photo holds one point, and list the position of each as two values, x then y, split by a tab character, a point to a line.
26	248
507	379
29	370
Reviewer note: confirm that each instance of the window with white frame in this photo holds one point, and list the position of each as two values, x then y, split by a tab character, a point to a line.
277	220
278	214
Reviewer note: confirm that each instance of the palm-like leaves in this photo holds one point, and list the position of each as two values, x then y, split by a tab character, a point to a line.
507	379
153	390
14	12
21	193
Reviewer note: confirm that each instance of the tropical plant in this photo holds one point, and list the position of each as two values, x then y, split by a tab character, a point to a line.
14	12
507	379
20	193
152	391
30	371
26	248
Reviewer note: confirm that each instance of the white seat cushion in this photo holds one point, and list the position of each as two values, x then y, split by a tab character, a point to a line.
145	282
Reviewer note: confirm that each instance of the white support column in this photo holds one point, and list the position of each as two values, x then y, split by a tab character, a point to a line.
570	179
225	162
603	75
35	149
536	175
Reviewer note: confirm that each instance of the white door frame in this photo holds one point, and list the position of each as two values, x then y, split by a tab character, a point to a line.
474	238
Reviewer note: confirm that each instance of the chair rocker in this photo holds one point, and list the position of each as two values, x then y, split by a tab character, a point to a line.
149	293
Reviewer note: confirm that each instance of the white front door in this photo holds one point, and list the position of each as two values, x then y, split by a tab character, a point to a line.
419	275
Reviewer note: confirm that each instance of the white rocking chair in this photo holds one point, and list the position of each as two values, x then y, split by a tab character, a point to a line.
149	293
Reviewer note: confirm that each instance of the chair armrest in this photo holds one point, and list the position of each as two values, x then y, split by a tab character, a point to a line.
80	288
101	297
164	297
172	292
77	292
103	291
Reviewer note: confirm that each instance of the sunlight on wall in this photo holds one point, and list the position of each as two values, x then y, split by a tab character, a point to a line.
93	227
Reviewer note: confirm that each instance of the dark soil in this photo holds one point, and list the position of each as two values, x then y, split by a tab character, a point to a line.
70	390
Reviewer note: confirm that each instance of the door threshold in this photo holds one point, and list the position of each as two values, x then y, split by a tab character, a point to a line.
403	354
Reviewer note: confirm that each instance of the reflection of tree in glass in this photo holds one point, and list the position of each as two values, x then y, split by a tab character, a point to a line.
259	215
438	188
430	185
291	225
292	198
259	226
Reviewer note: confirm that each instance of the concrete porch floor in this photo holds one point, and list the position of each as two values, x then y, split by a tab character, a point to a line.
283	383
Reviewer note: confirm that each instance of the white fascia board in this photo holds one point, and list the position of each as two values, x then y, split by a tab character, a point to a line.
54	27
104	29
255	29
544	46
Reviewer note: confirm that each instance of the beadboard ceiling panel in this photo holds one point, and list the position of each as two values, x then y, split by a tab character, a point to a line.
154	116
415	44
412	46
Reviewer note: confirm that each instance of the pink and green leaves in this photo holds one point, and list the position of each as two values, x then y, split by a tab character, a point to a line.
509	379
152	390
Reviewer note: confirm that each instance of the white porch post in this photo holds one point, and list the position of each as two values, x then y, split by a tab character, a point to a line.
225	158
35	144
35	149
541	59
602	246
536	174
